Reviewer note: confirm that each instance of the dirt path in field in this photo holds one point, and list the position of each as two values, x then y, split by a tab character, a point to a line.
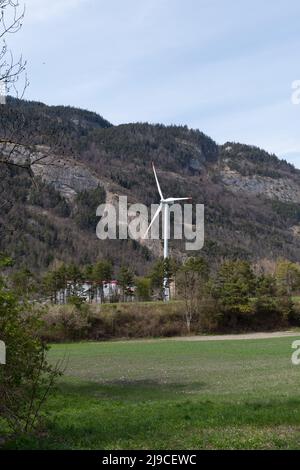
276	334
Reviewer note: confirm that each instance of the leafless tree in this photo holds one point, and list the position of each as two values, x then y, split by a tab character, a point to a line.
11	70
16	152
13	80
191	279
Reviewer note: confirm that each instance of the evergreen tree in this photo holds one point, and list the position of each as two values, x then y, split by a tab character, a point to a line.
125	280
288	276
143	288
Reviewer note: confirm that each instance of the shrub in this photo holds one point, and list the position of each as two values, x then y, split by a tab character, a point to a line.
26	378
294	315
66	322
271	313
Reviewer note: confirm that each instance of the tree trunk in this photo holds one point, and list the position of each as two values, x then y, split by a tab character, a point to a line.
188	324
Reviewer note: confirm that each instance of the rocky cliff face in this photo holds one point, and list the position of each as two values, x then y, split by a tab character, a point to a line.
282	189
66	176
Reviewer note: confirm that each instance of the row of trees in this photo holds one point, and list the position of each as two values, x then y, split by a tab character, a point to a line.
235	297
100	272
145	288
231	281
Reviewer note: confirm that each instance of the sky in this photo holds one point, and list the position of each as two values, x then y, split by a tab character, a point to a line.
224	67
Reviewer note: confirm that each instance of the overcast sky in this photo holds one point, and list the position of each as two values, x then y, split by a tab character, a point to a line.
225	67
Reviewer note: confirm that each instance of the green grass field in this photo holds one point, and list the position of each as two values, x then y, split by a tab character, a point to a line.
167	394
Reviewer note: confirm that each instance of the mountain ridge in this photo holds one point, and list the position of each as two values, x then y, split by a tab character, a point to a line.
83	151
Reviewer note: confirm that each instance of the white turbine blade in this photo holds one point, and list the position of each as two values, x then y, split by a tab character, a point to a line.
171	199
158	186
152	221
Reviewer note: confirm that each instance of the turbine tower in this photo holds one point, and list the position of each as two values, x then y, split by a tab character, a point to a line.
165	207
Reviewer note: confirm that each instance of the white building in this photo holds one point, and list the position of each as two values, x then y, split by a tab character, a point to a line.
91	291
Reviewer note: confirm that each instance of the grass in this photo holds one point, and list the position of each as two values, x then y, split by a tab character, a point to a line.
166	394
151	303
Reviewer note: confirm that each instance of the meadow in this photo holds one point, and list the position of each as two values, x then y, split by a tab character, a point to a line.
170	394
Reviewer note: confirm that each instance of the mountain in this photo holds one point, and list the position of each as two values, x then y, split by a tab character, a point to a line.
251	198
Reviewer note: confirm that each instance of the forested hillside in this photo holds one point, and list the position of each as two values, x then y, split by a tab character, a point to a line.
48	215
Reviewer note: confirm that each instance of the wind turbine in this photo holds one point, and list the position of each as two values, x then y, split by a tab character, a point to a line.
164	206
